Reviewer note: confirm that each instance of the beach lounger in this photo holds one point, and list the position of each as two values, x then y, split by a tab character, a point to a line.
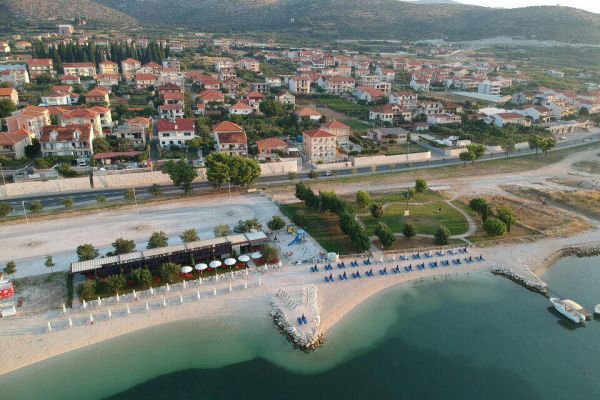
304	319
345	276
299	321
403	257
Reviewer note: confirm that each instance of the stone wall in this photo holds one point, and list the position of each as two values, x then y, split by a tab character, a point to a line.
384	160
53	186
281	167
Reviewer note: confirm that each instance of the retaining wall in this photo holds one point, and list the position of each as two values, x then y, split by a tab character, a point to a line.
397	159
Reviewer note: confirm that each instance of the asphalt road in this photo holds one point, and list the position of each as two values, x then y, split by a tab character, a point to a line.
57	199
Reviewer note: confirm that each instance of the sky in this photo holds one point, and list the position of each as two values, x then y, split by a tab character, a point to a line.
588	5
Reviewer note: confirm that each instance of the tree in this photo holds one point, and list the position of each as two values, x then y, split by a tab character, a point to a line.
129	194
276	223
442	236
270	254
547	144
101	199
87	290
584	111
480	206
182	174
506	215
271	108
363	199
467	156
115	283
312	174
376	210
123	246
299	218
86	252
292	175
420	185
34	149
478	151
385	235
6	108
36	206
508	147
157	239
11	268
247	225
409	231
494	227
101	145
5	209
535	142
143	277
49	263
69	202
189	235
222	230
155	190
169	272
218	174
409	193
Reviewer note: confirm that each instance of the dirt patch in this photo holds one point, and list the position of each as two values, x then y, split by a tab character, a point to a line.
41	293
589	167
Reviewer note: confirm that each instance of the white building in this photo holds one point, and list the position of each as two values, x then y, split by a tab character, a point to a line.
175	132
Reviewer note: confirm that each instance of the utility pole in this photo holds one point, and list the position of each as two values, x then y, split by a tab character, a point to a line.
31	243
137	212
2	172
230	212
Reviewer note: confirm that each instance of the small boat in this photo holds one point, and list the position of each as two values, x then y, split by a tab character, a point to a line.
570	309
597	309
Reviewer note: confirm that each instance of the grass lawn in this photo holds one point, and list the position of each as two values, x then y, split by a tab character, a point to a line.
356	125
403	243
323	227
426	217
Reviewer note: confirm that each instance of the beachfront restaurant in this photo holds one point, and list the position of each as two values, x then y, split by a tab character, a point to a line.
183	254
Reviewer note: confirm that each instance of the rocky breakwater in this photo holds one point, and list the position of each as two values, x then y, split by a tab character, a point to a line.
296	313
523	277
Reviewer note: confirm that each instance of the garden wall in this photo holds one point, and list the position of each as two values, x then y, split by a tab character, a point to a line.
397	159
281	167
53	186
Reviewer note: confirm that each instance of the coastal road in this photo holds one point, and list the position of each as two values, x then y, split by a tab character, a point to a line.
56	199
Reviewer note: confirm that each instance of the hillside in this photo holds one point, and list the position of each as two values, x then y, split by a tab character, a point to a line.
65	10
367	19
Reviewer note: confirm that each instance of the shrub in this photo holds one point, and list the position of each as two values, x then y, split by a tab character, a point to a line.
101	199
5	209
86	252
87	290
169	272
36	206
505	214
276	223
189	235
155	190
385	235
142	277
157	239
420	185
222	230
69	202
376	210
363	199
299	218
115	283
442	236
270	254
123	246
409	230
494	227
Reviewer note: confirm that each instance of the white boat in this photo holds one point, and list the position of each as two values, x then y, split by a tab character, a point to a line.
570	309
597	309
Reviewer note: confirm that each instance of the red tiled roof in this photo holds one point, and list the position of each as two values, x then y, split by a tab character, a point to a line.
69	78
335	124
130	61
316	133
10	138
79	65
80	113
307	112
165	107
179	125
240	106
97	92
208	95
270	143
172	96
232	137
108	62
66	133
145	77
6	92
227	126
40	61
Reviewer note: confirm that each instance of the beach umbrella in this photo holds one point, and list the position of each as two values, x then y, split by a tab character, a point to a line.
84	305
164	302
184	284
198	294
99	301
214	291
118	298
49	327
244	258
64	308
230	261
256	255
245	285
187	269
70	322
134	295
128	310
199	281
109	313
151	290
230	288
215	264
168	287
201	267
259	282
147	306
181	298
91	318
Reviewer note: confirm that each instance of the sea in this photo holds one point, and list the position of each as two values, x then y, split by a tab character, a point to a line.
474	336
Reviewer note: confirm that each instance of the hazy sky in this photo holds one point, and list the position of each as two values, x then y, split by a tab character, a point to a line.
589	5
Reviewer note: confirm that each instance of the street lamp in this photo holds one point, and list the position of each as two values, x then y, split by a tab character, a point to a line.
230	211
31	243
137	210
2	172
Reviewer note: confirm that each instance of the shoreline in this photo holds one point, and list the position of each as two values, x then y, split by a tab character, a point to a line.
25	340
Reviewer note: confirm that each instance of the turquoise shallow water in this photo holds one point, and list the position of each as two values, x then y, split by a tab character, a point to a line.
476	337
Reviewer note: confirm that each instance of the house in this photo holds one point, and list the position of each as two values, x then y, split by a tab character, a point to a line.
319	146
12	144
171	76
171	111
129	67
385	87
430	107
71	140
368	94
286	99
232	143
240	108
420	85
151	68
449	107
40	66
562	109
107	80
31	118
308	113
136	134
175	132
521	98
443	118
141	122
108	67
169	88
336	84
211	98
232	85
56	99
173	98
80	69
404	99
505	118
392	113
490	88
83	116
386	74
171	63
299	84
339	129
206	82
267	147
97	95
143	81
249	64
225	126
9	93
255	97
70	80
15	75
273	81
105	116
260	87
387	135
65	30
539	114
